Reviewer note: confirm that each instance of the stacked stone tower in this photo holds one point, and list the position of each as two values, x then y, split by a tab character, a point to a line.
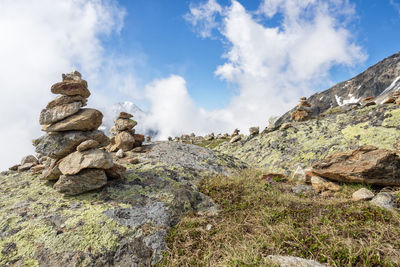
72	142
303	110
124	136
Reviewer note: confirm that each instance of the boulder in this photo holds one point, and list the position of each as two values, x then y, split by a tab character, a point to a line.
116	172
82	182
72	76
285	126
88	144
125	124
64	99
113	130
366	164
57	113
320	185
71	88
362	194
37	169
29	159
84	120
124	141
90	159
384	200
59	145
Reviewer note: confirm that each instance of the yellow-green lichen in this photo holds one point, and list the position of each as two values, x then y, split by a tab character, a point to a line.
363	134
393	119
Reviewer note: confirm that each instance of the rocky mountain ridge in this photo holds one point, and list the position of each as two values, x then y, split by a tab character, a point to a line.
378	81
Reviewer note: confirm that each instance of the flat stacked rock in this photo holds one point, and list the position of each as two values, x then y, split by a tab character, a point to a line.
124	137
303	110
72	142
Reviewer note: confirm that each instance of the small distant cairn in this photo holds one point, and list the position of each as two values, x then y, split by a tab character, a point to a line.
254	131
124	137
235	136
303	110
71	148
393	99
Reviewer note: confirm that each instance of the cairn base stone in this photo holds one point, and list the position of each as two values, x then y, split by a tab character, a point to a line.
86	180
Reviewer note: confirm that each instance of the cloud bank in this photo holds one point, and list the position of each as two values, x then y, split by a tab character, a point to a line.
40	40
272	66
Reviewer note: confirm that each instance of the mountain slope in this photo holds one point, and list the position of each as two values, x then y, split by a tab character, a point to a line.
377	81
307	142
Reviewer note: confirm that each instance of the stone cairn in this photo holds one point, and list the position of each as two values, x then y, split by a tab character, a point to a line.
303	110
72	144
124	136
394	99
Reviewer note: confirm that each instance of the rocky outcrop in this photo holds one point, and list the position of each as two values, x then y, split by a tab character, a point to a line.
307	142
378	81
73	142
122	223
367	164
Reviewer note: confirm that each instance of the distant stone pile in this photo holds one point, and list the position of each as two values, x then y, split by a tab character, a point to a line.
124	136
303	110
72	143
394	99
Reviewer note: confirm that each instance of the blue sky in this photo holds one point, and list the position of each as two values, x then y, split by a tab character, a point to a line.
157	33
193	66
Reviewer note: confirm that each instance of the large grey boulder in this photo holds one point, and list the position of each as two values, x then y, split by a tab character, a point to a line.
84	120
58	145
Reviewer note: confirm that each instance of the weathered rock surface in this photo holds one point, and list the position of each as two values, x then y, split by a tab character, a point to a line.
124	141
367	164
89	159
71	88
125	124
86	180
88	144
362	194
320	185
116	172
84	120
29	159
57	113
121	224
58	145
63	100
235	139
124	115
310	141
384	200
290	261
254	130
52	172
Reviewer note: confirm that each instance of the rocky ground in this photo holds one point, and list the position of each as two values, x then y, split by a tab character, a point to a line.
122	224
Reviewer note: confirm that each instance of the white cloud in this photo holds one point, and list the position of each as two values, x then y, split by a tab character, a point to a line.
274	66
203	17
40	40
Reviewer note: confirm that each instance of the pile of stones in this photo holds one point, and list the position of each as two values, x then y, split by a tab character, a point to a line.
394	99
123	134
303	110
72	145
